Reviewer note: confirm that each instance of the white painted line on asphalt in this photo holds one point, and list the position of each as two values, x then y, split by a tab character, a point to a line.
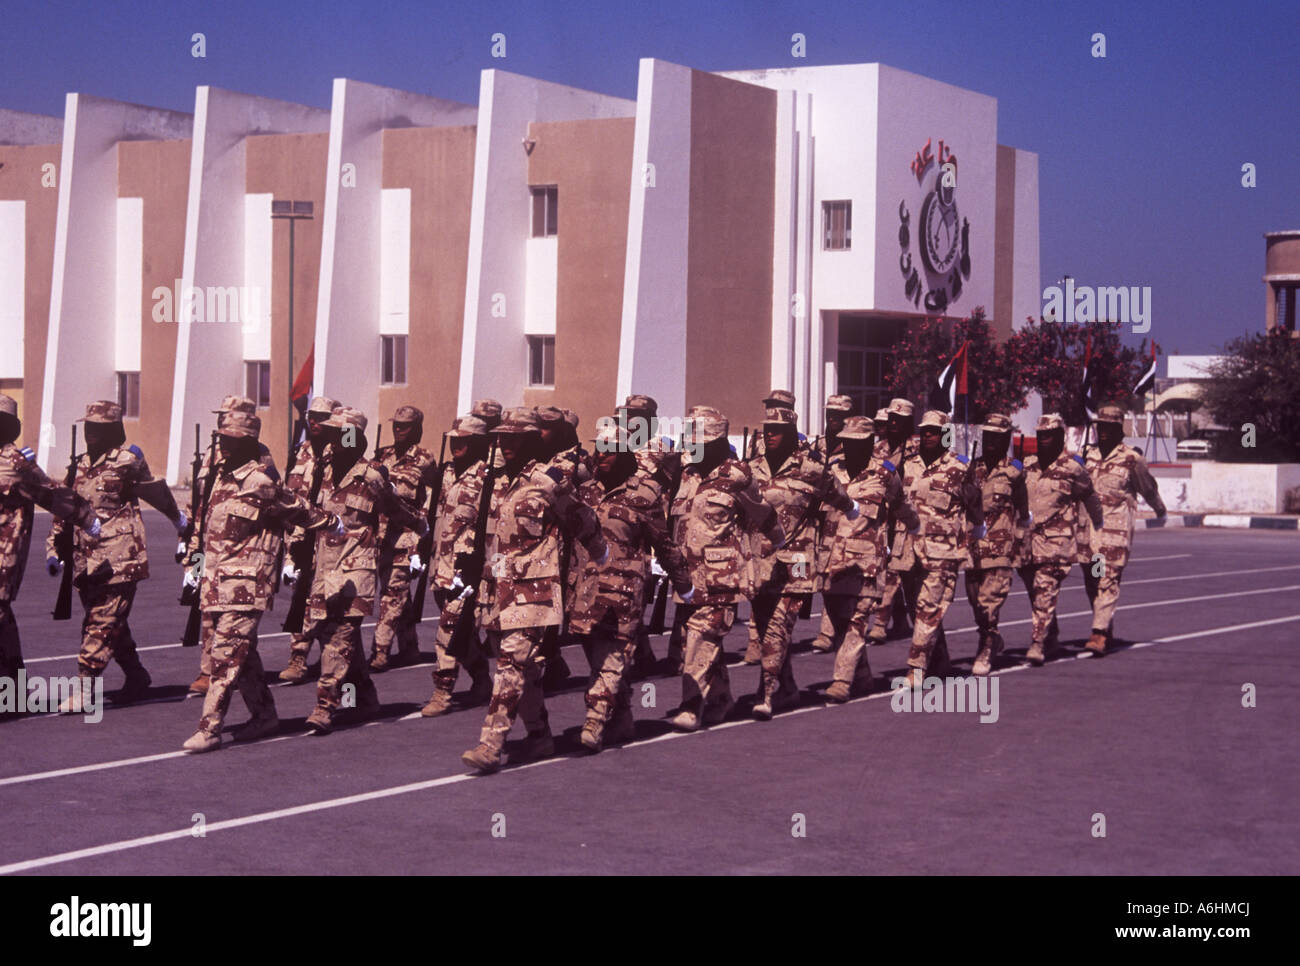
381	793
1171	556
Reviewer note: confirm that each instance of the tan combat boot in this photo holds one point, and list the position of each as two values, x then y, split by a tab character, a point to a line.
440	703
202	741
593	733
200	685
1035	654
379	661
838	691
296	672
320	722
1097	643
75	703
685	720
483	757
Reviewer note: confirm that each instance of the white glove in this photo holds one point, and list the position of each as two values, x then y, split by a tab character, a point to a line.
604	556
980	532
289	573
854	512
339	529
180	522
655	569
417	565
191	579
1031	518
96	525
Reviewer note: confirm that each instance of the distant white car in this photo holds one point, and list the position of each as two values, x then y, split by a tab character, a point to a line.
1203	442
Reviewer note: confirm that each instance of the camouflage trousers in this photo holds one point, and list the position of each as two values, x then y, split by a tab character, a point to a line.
829	636
395	624
775	616
704	675
11	652
610	655
234	661
987	590
207	627
105	633
342	661
517	688
1103	595
929	645
1044	583
300	643
447	668
849	617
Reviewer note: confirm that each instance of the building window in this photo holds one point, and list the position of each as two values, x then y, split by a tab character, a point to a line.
837	225
128	394
865	361
545	199
392	360
257	383
541	360
1286	302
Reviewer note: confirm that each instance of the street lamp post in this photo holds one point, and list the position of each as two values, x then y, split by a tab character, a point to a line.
291	211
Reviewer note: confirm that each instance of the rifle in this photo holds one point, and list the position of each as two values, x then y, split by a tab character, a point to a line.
379	435
424	549
63	544
744	447
661	592
195	468
306	560
190	595
471	564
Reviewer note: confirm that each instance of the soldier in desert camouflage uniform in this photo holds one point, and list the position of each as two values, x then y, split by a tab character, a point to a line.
411	470
1056	482
458	502
185	552
23	485
1006	510
306	470
796	485
608	605
718	510
1119	475
854	551
523	587
112	477
938	484
246	511
897	446
838	409
343	589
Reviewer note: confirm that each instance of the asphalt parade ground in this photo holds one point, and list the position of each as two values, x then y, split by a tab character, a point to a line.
1151	744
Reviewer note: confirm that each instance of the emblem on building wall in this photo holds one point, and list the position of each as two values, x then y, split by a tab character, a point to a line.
943	237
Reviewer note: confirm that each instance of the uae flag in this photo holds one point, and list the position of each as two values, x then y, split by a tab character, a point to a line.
300	395
1088	388
1148	380
952	383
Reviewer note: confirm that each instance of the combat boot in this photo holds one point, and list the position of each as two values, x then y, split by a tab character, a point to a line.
296	672
838	691
320	722
202	741
915	676
75	703
440	703
483	757
1035	654
1097	643
685	720
200	685
593	733
379	662
535	748
136	686
264	726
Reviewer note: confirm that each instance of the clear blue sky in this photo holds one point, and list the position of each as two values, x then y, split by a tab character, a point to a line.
1140	154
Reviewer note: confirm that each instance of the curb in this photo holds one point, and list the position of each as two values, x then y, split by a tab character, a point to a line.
1231	521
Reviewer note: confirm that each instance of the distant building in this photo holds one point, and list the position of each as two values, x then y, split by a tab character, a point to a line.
1281	279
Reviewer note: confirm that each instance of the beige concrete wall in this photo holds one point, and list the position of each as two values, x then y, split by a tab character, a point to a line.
159	173
437	165
729	295
590	162
289	167
20	180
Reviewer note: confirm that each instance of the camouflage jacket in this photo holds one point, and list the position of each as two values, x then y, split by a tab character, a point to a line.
945	499
1119	479
247	513
575	463
412	474
298	479
715	520
267	462
854	552
632	521
1006	506
1053	493
898	455
661	463
529	514
109	484
796	491
343	584
23	485
453	530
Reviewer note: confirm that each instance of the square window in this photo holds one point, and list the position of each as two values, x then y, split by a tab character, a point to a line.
541	360
392	360
545	200
837	225
128	394
257	382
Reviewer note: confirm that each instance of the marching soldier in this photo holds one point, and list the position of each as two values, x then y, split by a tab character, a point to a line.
838	409
457	513
357	491
523	584
795	484
411	470
305	472
720	511
1119	475
609	598
880	424
897	446
1006	510
245	512
229	404
855	552
1055	482
488	410
776	399
24	484
112	477
938	484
